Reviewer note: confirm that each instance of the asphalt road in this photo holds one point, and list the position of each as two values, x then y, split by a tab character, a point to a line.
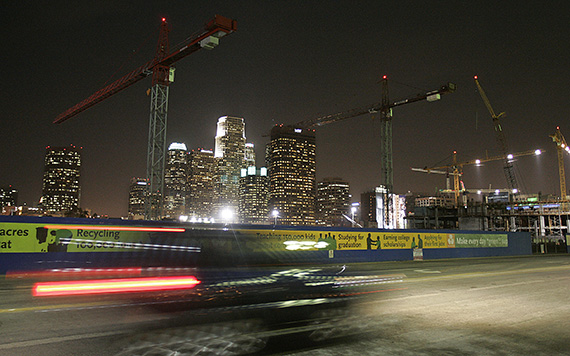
493	306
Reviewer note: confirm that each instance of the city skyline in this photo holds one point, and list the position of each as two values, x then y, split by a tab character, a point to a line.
286	63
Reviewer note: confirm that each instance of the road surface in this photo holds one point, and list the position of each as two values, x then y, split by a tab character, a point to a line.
483	306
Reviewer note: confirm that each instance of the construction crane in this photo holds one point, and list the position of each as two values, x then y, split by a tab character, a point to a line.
385	110
162	75
561	146
456	168
501	140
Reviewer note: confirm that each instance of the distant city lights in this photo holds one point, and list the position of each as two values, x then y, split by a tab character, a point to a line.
227	214
194	219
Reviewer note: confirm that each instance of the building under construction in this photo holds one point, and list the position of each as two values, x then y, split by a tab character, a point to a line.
547	219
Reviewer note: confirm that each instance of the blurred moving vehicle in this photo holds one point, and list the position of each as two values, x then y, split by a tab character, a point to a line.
231	311
219	290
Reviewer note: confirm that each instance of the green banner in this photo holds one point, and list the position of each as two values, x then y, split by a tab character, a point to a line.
481	240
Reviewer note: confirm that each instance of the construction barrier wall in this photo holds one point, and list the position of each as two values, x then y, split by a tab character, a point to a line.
31	243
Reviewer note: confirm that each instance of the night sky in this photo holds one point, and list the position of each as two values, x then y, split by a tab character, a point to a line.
288	61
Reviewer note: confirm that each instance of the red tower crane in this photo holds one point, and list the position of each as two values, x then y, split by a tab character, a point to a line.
162	76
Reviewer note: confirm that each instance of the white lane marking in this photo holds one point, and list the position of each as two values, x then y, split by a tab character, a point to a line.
53	340
426	271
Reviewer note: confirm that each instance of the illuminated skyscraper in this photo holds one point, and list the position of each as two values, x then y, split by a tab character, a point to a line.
253	196
61	189
292	174
333	201
230	150
175	181
137	195
201	175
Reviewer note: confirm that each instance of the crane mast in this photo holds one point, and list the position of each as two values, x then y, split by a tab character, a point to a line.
385	109
386	149
508	167
156	148
162	76
561	146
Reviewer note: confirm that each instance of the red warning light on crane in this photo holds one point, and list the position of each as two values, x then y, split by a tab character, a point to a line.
384	77
475	77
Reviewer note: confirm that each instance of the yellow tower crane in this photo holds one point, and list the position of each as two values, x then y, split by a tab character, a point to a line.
561	146
501	139
456	168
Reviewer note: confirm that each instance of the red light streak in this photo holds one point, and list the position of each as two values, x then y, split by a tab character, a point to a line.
107	286
73	272
115	228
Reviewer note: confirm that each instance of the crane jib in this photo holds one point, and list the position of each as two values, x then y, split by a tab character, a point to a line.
218	27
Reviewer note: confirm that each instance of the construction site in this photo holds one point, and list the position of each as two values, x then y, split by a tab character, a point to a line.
546	218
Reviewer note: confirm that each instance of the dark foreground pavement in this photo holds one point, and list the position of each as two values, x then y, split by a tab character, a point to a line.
494	306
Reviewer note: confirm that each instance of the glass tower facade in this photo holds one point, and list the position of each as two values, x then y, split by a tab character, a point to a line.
230	151
292	175
201	175
333	200
254	196
249	155
175	181
137	195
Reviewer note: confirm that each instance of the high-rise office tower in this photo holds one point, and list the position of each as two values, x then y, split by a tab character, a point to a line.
292	175
175	181
249	155
230	150
201	175
333	201
137	195
368	209
61	189
253	196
